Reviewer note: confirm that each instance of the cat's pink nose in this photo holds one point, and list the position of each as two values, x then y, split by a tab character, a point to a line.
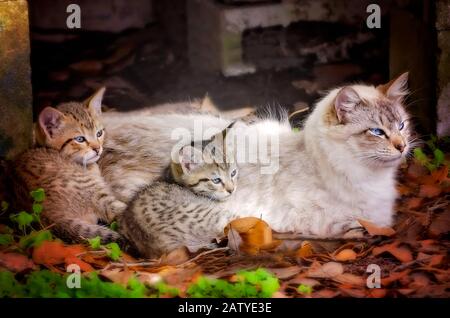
400	146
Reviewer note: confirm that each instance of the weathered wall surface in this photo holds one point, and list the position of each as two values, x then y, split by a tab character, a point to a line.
15	81
443	67
105	16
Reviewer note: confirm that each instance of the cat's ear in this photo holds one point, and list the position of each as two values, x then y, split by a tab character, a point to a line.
94	103
190	159
51	121
345	102
397	88
208	105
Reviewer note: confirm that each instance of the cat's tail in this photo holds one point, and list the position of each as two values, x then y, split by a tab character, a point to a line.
80	230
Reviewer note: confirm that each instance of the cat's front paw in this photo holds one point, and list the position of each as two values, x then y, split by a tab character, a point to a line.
115	209
356	233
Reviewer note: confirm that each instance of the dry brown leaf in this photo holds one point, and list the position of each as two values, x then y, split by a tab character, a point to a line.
395	276
436	177
325	293
403	189
416	171
406	291
419	280
353	292
117	275
414	203
374	229
429	190
402	253
234	240
377	293
345	255
440	225
285	272
256	234
300	279
327	270
350	279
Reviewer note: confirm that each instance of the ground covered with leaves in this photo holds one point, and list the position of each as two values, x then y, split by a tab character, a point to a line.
411	258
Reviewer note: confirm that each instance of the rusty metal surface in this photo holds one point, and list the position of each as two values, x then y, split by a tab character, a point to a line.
15	79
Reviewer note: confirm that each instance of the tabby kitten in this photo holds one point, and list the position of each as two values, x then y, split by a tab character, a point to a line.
77	198
177	216
205	169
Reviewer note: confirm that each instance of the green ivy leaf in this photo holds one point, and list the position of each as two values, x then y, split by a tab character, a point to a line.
35	238
95	242
114	251
6	239
37	208
4	206
114	226
304	289
439	157
22	219
38	195
420	156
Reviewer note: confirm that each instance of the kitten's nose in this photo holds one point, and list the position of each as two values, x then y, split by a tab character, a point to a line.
400	146
96	149
229	189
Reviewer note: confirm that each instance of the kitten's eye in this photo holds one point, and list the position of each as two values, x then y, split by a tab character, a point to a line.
216	180
99	133
401	126
80	139
233	173
377	131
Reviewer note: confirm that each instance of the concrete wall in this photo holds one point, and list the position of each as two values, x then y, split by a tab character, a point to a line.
15	82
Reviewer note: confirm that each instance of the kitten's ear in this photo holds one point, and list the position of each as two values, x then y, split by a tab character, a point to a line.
190	159
51	120
345	102
94	103
396	88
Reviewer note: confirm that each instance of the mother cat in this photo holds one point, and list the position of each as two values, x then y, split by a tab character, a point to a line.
340	168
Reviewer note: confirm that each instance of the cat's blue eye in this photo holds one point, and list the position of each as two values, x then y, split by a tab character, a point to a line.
80	139
216	180
233	173
377	131
401	126
99	133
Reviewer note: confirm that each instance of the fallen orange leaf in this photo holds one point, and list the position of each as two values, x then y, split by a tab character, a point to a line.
15	262
305	250
53	253
401	253
374	229
429	190
345	255
394	277
256	234
414	203
377	293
